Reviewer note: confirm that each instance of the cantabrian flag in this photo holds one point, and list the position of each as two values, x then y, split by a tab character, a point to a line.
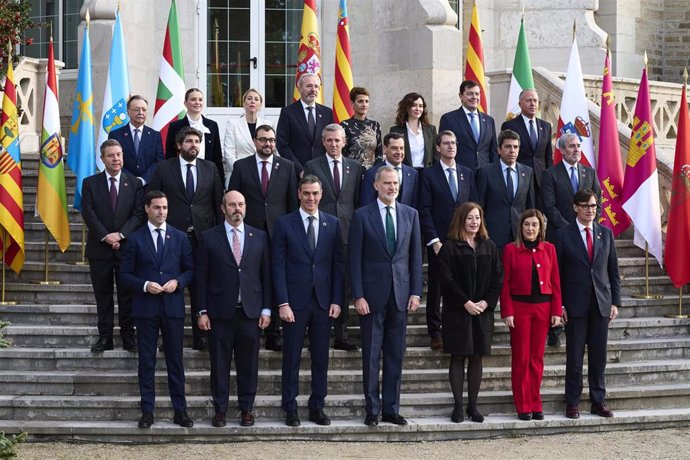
51	197
474	61
522	74
342	109
171	88
309	51
11	194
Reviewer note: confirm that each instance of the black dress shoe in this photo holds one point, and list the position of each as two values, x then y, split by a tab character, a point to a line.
200	344
371	420
456	416
537	415
602	410
474	414
129	343
146	420
395	419
246	418
525	416
103	344
572	412
317	416
292	419
274	344
344	345
182	419
218	420
436	343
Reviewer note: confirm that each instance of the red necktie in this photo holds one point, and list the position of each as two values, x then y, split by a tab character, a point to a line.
264	178
336	178
113	194
590	244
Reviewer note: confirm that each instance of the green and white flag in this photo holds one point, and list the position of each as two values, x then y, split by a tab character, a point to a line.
522	74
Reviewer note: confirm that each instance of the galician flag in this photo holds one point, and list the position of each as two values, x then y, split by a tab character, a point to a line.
342	109
474	62
309	51
641	184
522	74
51	196
171	89
574	117
116	90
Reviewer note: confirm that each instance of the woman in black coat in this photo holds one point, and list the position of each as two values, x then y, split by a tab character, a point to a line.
412	121
471	276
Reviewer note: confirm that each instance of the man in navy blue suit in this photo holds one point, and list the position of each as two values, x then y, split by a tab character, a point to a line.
385	263
590	285
394	153
308	283
475	131
233	285
445	186
142	146
156	266
301	124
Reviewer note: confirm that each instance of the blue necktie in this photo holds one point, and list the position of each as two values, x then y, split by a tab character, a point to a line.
509	184
137	139
190	182
159	245
311	234
533	135
475	126
452	183
573	178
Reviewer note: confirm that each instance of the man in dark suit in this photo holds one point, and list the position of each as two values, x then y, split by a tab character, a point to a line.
301	123
590	285
394	156
142	147
194	193
156	266
233	285
308	273
535	138
385	255
210	148
341	179
445	186
474	130
505	189
112	208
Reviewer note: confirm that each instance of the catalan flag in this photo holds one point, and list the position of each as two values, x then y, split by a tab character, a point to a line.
51	197
11	195
309	51
474	61
342	109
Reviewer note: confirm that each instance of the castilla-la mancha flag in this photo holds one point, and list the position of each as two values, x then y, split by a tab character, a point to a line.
609	168
641	183
677	253
474	62
309	51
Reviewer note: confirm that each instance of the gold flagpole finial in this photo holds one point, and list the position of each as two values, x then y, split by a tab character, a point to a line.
574	29
608	43
87	18
685	75
118	6
645	59
523	9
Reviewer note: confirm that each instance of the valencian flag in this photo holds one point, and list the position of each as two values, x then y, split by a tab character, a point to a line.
51	197
309	51
522	74
474	62
574	116
609	168
116	90
81	137
641	183
677	252
171	89
11	195
342	109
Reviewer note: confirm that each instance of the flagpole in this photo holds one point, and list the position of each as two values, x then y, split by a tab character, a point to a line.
646	294
83	260
680	314
4	248
46	281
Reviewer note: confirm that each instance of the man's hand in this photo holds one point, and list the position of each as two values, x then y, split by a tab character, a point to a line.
111	238
204	322
614	312
437	247
473	308
334	311
413	303
286	313
264	321
564	317
362	306
154	288
170	286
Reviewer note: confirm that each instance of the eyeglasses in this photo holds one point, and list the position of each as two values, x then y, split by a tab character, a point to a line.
266	140
448	143
587	206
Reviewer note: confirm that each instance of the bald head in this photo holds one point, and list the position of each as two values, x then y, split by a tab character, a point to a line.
234	207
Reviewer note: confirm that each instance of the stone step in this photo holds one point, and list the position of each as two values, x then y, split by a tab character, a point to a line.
66	273
660	284
634	266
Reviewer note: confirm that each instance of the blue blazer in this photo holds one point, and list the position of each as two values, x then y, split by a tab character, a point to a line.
150	150
436	204
472	154
374	271
408	192
140	264
294	142
297	270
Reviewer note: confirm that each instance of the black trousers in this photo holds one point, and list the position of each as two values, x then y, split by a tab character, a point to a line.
102	273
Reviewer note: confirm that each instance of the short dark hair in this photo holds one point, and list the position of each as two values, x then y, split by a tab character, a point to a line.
309	179
445	132
136	97
263	128
508	134
152	195
190	91
387	138
109	143
468	84
187	131
583	196
358	91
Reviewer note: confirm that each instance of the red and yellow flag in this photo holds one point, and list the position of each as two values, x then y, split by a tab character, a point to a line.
342	109
474	62
309	51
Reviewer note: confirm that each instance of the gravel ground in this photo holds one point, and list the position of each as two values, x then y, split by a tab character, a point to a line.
653	444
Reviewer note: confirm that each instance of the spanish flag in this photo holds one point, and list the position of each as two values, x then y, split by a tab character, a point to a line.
309	51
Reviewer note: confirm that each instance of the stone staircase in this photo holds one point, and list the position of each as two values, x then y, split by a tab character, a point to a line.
53	387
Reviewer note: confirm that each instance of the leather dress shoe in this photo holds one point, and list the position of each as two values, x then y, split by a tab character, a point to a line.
537	415
200	344
344	345
456	416
247	418
371	420
103	344
129	343
572	412
395	419
218	420
525	416
602	410
181	418
317	416
474	414
274	344
146	420
292	419
436	343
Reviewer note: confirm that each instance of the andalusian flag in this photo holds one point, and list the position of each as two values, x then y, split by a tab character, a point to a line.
342	109
309	51
51	198
522	74
474	62
11	195
171	89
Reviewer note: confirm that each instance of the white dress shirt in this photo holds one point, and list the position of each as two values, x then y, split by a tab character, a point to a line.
383	211
305	222
416	146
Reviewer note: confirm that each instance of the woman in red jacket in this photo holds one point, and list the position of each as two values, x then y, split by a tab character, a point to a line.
530	304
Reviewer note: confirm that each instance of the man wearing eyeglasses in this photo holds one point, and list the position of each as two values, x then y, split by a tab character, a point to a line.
590	286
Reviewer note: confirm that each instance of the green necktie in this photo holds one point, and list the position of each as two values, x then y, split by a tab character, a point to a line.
390	231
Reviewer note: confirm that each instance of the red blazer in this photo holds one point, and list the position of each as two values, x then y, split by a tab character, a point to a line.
517	280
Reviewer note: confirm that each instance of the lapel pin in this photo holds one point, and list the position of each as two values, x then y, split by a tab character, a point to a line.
324	224
125	184
462	176
251	234
167	237
522	174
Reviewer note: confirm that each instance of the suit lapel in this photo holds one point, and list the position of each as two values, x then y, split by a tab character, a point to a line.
498	173
302	120
325	170
465	123
274	175
521	129
244	129
443	179
379	229
150	245
298	228
562	173
125	192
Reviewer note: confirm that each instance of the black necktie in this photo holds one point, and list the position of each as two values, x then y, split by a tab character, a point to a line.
190	182
311	123
509	183
113	193
159	244
311	234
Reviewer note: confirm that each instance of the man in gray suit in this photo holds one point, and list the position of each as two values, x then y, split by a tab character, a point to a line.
341	178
